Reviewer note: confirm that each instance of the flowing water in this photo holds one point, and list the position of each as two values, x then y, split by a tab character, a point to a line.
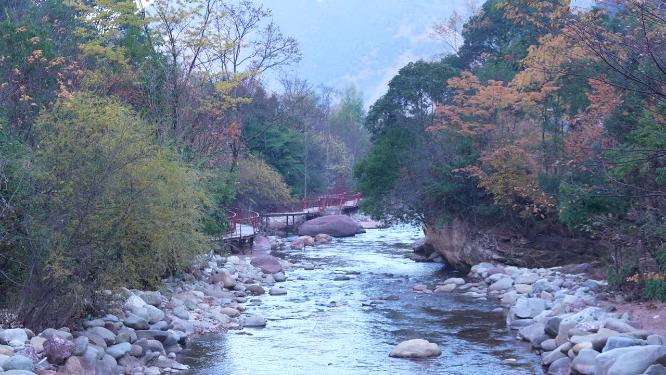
324	326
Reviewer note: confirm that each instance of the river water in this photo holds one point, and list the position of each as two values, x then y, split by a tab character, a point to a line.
323	326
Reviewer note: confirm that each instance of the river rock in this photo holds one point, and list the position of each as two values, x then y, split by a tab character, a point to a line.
454	280
229	311
445	288
584	362
501	284
323	238
615	342
119	350
267	264
15	337
75	366
560	366
154	314
93	323
655	370
279	277
152	298
134	302
527	278
134	321
656	340
333	225
628	361
255	289
181	312
261	245
18	362
108	336
254	321
416	348
528	307
80	345
107	365
307	240
126	334
523	288
37	342
533	333
57	349
598	339
553	326
50	332
509	298
618	325
277	291
549	357
297	245
150	345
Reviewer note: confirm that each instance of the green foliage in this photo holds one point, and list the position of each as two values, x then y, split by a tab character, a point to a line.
260	185
655	289
115	208
411	94
220	195
375	180
661	258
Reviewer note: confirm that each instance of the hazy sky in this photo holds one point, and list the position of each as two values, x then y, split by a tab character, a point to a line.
362	42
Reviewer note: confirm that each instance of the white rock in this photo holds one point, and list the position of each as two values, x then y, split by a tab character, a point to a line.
416	348
501	284
454	280
528	307
628	361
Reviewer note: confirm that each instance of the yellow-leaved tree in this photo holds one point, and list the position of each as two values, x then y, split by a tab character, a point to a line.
113	209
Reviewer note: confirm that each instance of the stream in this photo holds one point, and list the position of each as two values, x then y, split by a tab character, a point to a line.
327	326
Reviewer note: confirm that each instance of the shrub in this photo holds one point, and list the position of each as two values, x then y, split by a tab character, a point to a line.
114	208
655	289
260	185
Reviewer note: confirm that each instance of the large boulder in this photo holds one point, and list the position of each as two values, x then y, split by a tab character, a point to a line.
267	264
416	348
333	225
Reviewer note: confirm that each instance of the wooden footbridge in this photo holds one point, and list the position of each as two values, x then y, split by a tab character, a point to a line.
244	225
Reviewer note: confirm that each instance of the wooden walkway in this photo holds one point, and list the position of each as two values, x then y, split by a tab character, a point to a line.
246	224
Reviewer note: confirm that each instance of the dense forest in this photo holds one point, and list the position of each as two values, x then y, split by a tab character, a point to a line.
126	133
545	120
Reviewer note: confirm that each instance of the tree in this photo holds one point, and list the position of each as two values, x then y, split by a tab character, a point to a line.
114	209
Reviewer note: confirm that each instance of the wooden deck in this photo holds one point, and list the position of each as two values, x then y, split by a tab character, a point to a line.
241	230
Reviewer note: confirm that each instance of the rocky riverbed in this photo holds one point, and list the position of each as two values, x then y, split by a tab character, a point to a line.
356	305
556	313
145	332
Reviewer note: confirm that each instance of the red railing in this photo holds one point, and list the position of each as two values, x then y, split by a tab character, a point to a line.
319	204
239	218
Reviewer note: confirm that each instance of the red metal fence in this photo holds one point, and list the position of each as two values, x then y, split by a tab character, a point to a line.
239	218
319	204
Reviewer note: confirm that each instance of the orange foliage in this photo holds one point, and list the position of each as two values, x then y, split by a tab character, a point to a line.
476	109
588	127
